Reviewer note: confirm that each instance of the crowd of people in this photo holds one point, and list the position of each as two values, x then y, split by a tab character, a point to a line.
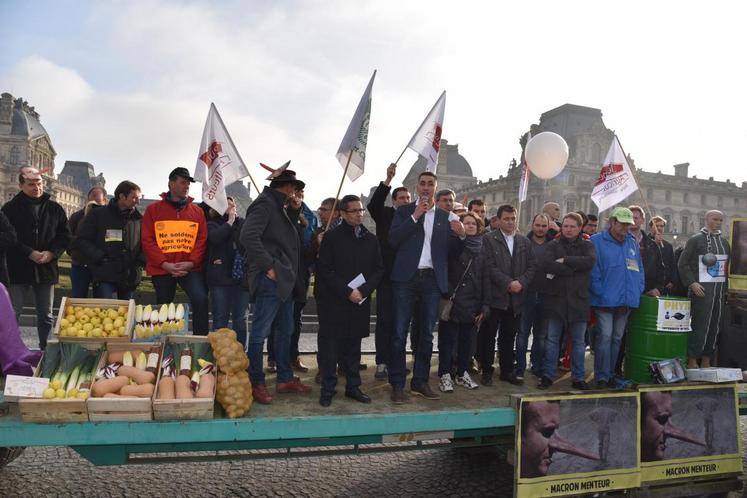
562	287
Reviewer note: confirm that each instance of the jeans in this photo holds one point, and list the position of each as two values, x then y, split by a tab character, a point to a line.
109	290
531	324
552	346
80	280
384	321
450	333
423	287
610	329
43	298
193	285
295	337
508	324
232	301
267	309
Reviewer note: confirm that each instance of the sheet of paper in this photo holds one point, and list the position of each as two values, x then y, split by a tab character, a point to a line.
357	281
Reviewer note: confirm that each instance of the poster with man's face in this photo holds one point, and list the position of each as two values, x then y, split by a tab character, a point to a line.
576	444
689	431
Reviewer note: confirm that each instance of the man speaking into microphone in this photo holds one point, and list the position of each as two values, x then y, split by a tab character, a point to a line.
421	235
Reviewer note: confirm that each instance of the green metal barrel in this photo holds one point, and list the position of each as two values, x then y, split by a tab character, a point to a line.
645	344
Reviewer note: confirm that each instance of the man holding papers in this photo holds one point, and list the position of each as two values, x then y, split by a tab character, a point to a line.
347	272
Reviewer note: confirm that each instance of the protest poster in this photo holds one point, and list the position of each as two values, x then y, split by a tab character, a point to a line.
689	431
572	444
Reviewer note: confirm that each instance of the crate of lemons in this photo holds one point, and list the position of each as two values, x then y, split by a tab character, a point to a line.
95	319
94	322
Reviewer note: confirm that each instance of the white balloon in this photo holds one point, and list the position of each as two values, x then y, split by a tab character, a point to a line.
546	154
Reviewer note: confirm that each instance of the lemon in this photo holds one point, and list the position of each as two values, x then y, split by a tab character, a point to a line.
112	314
96	332
88	327
59	393
81	333
55	384
48	393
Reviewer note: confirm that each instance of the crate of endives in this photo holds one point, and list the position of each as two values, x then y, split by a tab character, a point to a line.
70	368
91	320
125	382
185	388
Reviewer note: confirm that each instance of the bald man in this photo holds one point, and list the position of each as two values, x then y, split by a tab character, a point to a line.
707	285
552	210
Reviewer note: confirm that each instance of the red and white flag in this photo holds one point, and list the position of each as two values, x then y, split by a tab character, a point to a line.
218	162
616	181
353	145
524	180
427	140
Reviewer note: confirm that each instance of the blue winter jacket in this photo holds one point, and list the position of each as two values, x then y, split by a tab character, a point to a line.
613	283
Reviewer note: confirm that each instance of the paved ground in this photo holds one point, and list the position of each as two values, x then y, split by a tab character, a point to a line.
59	471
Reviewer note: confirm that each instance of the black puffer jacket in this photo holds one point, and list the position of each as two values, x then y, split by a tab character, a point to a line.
223	242
42	230
108	241
566	295
468	299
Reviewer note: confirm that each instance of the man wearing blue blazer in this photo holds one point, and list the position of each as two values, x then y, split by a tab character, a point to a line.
420	235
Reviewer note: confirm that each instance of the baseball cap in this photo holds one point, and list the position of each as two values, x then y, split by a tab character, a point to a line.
183	172
622	215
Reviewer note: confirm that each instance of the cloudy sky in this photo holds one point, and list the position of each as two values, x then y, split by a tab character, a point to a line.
127	85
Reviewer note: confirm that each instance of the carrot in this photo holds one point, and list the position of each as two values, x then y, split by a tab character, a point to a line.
183	387
115	357
139	376
207	383
166	388
104	386
142	391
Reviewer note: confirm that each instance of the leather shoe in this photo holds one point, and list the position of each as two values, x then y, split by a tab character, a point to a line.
298	366
358	395
326	399
294	386
398	395
425	391
261	394
271	368
515	380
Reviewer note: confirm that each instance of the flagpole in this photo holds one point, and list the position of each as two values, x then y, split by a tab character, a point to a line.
334	206
632	172
235	148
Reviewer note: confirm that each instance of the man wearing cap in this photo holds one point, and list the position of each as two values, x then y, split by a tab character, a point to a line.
42	237
80	275
617	282
174	239
273	247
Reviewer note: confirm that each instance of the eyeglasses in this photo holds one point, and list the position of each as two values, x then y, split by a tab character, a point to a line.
361	211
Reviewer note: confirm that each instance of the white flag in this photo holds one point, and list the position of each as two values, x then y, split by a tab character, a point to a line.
218	162
427	140
616	181
524	180
356	137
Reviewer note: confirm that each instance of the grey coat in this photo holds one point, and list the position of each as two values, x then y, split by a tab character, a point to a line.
270	239
500	268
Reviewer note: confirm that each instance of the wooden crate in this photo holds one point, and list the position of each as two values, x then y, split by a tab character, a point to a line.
122	408
183	409
96	303
53	411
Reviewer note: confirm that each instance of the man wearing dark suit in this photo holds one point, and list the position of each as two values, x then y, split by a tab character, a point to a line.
509	269
383	216
420	235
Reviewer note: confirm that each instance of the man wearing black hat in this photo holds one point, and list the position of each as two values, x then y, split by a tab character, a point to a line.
174	238
273	247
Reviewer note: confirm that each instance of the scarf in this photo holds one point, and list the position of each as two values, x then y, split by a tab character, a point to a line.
179	204
473	244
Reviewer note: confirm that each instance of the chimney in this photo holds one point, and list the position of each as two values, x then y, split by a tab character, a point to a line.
681	169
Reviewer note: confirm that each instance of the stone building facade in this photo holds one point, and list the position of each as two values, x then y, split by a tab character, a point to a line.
680	198
453	170
25	142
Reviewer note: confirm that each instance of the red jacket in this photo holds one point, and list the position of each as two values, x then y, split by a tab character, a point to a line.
173	236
